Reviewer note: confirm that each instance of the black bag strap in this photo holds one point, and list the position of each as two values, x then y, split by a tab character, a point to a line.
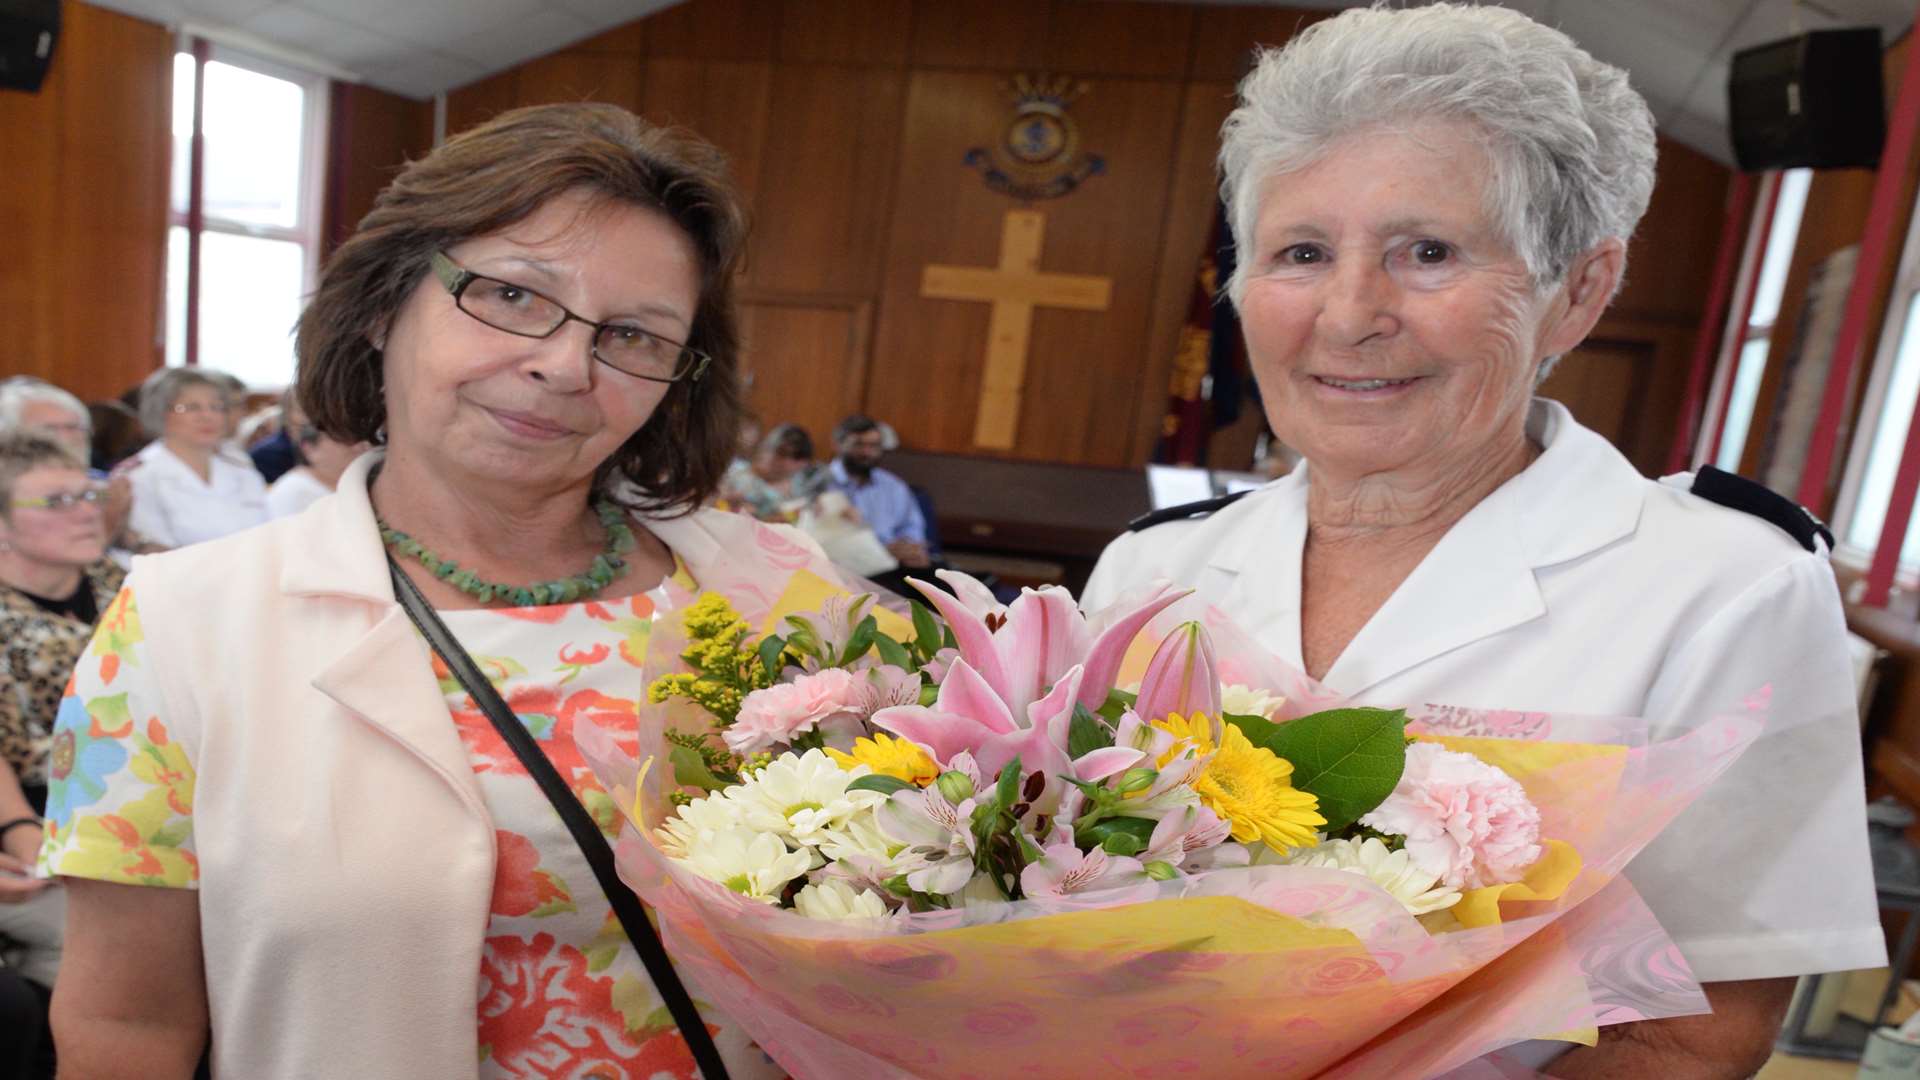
626	906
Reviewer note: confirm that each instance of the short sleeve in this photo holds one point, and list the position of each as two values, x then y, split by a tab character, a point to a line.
1767	874
120	791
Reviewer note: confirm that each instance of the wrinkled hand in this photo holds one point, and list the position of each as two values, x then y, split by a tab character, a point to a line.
17	883
911	554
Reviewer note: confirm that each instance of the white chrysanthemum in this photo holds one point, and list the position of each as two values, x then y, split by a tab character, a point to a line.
1241	700
1393	871
679	833
753	864
833	898
801	796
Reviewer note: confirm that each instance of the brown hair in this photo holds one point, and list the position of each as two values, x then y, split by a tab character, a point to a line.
487	179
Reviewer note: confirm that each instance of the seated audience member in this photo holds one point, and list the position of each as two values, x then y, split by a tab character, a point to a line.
780	480
186	488
884	501
117	434
274	456
54	584
320	459
28	404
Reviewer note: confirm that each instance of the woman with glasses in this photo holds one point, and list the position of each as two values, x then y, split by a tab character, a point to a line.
312	838
55	581
187	487
318	458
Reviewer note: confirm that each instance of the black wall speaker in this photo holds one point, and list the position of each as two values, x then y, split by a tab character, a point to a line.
28	29
1813	100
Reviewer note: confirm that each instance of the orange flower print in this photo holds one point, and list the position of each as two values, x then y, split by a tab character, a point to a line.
543	1015
520	887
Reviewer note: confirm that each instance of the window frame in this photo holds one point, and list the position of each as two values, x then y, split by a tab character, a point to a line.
310	202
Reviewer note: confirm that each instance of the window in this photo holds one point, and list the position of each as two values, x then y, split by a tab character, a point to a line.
1886	412
1755	339
245	227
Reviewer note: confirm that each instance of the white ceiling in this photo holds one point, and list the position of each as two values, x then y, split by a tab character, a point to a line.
1677	50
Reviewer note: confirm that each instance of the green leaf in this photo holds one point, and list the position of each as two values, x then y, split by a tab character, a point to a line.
885	785
1117	703
926	629
1257	729
1138	829
1122	843
1008	791
861	641
892	652
1086	733
947	640
771	647
690	770
1349	758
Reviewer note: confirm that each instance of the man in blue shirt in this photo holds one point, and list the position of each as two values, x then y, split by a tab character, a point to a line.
885	502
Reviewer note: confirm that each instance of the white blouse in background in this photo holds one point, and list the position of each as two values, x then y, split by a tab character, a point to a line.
294	492
173	507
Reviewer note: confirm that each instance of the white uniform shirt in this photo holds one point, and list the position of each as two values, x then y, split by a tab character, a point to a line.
294	492
1580	586
173	507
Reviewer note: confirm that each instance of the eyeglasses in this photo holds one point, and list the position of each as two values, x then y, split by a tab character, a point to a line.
188	408
516	309
62	500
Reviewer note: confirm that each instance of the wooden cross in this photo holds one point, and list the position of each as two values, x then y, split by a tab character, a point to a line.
1014	288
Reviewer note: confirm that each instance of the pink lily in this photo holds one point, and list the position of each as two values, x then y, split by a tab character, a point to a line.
1181	678
970	717
1041	636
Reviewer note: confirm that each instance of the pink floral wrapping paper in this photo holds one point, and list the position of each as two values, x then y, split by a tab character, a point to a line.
1274	971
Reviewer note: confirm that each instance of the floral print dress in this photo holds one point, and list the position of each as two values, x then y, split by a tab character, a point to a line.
562	992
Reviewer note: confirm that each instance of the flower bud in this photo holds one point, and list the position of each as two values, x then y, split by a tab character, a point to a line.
1137	779
955	787
1181	678
1161	871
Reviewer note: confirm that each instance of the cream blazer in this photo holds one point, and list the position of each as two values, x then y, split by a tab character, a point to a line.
346	855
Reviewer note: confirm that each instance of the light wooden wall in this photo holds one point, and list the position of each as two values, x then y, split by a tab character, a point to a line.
83	206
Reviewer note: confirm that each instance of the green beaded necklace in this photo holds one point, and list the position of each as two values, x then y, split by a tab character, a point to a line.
606	566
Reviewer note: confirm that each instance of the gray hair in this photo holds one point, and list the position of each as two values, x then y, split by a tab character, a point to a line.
1570	144
163	387
23	390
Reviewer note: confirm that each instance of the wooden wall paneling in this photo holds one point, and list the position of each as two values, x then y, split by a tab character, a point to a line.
107	268
1225	36
715	30
478	101
999	34
626	40
1095	37
1604	382
371	135
725	102
805	360
1193	190
29	212
870	33
574	76
1082	366
1670	259
833	142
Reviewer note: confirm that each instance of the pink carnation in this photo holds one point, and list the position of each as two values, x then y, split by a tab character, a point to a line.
1466	822
780	713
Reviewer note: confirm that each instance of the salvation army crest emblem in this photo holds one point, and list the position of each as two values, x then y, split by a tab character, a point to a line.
1038	154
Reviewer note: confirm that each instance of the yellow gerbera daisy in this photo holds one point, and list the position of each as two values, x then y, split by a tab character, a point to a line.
889	756
1249	786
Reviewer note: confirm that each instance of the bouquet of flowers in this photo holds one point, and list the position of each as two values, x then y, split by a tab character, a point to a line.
880	840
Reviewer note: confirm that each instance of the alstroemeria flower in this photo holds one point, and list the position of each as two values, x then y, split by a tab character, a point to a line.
938	836
1065	870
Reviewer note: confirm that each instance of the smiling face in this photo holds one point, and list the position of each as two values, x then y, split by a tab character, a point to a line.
483	406
1390	324
71	536
197	419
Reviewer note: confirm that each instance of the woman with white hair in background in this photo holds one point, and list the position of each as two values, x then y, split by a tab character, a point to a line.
1432	205
187	487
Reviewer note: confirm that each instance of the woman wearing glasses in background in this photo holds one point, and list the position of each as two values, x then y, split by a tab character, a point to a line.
186	487
319	461
314	840
55	581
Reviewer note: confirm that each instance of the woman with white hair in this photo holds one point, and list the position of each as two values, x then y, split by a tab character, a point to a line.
35	406
187	487
1432	205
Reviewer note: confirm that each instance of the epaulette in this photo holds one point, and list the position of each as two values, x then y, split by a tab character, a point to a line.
1740	493
1185	511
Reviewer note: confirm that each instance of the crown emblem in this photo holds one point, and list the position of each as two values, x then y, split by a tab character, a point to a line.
1038	154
